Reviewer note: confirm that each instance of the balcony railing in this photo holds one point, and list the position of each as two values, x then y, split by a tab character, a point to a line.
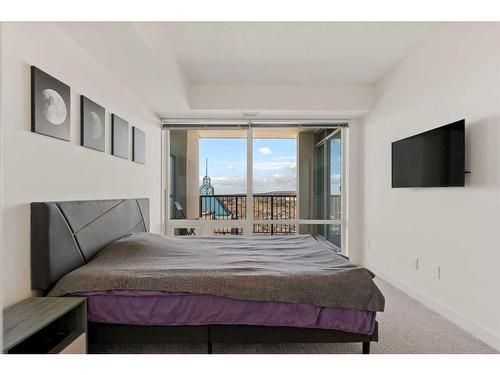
266	207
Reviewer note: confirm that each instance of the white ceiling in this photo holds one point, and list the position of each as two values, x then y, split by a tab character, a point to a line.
292	52
275	69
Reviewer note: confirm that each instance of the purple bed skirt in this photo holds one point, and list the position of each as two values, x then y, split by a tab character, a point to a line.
169	309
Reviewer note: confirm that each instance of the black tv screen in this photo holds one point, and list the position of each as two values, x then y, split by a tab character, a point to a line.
431	159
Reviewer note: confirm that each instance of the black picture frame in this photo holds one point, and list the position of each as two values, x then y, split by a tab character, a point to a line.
138	145
50	105
92	123
119	137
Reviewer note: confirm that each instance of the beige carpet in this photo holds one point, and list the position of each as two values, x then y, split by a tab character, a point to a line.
406	327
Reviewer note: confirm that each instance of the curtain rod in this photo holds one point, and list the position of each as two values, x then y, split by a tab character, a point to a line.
196	123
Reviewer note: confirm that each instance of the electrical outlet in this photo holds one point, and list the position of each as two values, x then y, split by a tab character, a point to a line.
437	272
416	264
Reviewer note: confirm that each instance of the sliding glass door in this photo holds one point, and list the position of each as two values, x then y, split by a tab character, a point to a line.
333	231
328	185
320	195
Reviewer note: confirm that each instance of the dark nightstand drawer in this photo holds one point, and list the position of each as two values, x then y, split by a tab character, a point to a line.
46	325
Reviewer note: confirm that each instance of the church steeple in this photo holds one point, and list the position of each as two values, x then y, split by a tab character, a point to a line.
206	188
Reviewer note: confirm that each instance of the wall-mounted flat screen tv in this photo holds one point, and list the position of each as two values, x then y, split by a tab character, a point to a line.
435	158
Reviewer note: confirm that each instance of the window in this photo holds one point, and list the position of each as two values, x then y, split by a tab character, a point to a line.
274	181
223	177
257	181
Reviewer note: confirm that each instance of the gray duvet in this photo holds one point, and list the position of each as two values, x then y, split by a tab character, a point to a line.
295	269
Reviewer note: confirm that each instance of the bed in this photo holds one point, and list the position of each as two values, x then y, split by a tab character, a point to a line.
143	287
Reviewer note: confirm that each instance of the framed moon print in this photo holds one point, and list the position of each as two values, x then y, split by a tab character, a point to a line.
50	105
119	137
92	124
138	145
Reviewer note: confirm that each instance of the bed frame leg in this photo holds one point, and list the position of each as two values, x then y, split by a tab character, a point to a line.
366	347
209	348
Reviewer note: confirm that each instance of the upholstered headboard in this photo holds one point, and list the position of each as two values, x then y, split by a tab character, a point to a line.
66	235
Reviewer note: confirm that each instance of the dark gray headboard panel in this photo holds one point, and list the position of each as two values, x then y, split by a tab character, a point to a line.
66	235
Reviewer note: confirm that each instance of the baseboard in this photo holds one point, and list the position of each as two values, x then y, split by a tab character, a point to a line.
453	316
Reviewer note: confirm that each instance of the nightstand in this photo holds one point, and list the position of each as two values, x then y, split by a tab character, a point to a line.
54	325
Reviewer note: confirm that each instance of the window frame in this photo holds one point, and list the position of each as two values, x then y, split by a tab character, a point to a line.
206	227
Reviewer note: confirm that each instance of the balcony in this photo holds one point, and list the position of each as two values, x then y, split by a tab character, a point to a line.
280	206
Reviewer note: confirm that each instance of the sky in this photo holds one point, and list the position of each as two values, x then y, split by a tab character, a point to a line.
335	166
274	164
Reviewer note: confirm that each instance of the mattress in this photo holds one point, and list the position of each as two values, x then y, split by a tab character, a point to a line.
169	309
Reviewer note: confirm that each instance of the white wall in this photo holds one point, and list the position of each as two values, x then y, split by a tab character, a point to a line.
139	55
1	186
454	74
40	168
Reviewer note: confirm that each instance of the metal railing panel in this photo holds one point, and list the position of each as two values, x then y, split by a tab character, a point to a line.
266	207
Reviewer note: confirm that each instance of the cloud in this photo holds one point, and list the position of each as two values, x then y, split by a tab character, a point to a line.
237	185
284	158
273	178
228	181
274	165
265	150
275	182
335	179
